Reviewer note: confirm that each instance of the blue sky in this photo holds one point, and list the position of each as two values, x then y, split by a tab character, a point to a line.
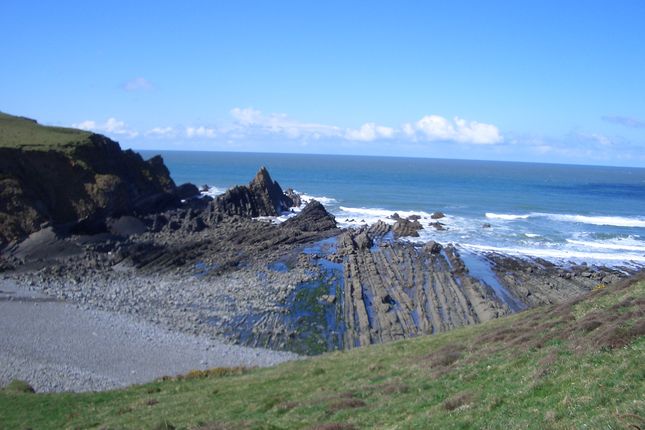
532	81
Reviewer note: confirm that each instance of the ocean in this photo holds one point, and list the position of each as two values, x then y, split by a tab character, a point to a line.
561	213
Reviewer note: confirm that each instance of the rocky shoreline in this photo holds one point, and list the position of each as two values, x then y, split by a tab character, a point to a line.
93	229
212	269
209	268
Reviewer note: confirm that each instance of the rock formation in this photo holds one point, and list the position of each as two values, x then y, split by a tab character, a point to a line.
262	197
406	227
84	178
314	217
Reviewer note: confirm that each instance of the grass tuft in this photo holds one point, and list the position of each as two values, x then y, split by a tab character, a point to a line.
18	387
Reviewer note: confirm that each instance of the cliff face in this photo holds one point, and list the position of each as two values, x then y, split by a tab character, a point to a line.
88	179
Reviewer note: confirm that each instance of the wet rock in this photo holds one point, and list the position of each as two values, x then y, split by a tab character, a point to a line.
437	215
314	217
328	298
437	226
405	227
486	225
432	247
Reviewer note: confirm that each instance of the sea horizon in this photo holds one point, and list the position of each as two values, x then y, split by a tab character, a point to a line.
158	151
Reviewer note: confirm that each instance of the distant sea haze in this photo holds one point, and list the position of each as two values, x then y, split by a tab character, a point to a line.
557	212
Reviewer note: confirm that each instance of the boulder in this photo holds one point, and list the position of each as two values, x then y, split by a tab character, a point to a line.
437	215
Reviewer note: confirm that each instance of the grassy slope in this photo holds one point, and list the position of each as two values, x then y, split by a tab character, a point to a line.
17	132
578	365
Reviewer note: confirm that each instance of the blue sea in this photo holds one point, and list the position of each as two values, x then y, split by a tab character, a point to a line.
563	213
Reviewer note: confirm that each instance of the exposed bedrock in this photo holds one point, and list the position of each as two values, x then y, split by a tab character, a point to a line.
314	217
262	197
402	290
406	227
537	281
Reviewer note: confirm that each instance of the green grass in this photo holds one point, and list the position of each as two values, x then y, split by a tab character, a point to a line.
572	366
18	132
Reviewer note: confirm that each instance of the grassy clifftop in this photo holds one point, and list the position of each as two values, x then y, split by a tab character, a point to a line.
576	365
24	133
61	176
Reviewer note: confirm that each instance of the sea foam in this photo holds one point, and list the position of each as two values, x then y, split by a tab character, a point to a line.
560	254
615	221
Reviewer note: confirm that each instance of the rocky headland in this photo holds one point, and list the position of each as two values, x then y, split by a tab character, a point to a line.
89	224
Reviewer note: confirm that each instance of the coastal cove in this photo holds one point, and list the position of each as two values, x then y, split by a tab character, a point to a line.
329	215
278	269
140	280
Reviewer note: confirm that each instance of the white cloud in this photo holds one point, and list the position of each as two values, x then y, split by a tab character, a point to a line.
162	132
249	123
110	126
85	125
438	128
137	84
600	139
280	124
369	132
201	131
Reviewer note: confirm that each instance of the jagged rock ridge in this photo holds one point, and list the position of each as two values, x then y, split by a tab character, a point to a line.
262	197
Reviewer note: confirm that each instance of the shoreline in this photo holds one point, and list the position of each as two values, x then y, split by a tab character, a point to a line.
58	346
191	281
171	322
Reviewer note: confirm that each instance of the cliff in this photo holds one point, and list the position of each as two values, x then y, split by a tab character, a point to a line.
66	176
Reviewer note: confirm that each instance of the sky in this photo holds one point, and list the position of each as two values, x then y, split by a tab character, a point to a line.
547	81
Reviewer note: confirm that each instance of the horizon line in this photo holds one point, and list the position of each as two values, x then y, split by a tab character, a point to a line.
392	156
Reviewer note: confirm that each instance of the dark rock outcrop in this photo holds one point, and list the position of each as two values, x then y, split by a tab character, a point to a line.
296	200
87	181
406	227
314	217
262	197
186	191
